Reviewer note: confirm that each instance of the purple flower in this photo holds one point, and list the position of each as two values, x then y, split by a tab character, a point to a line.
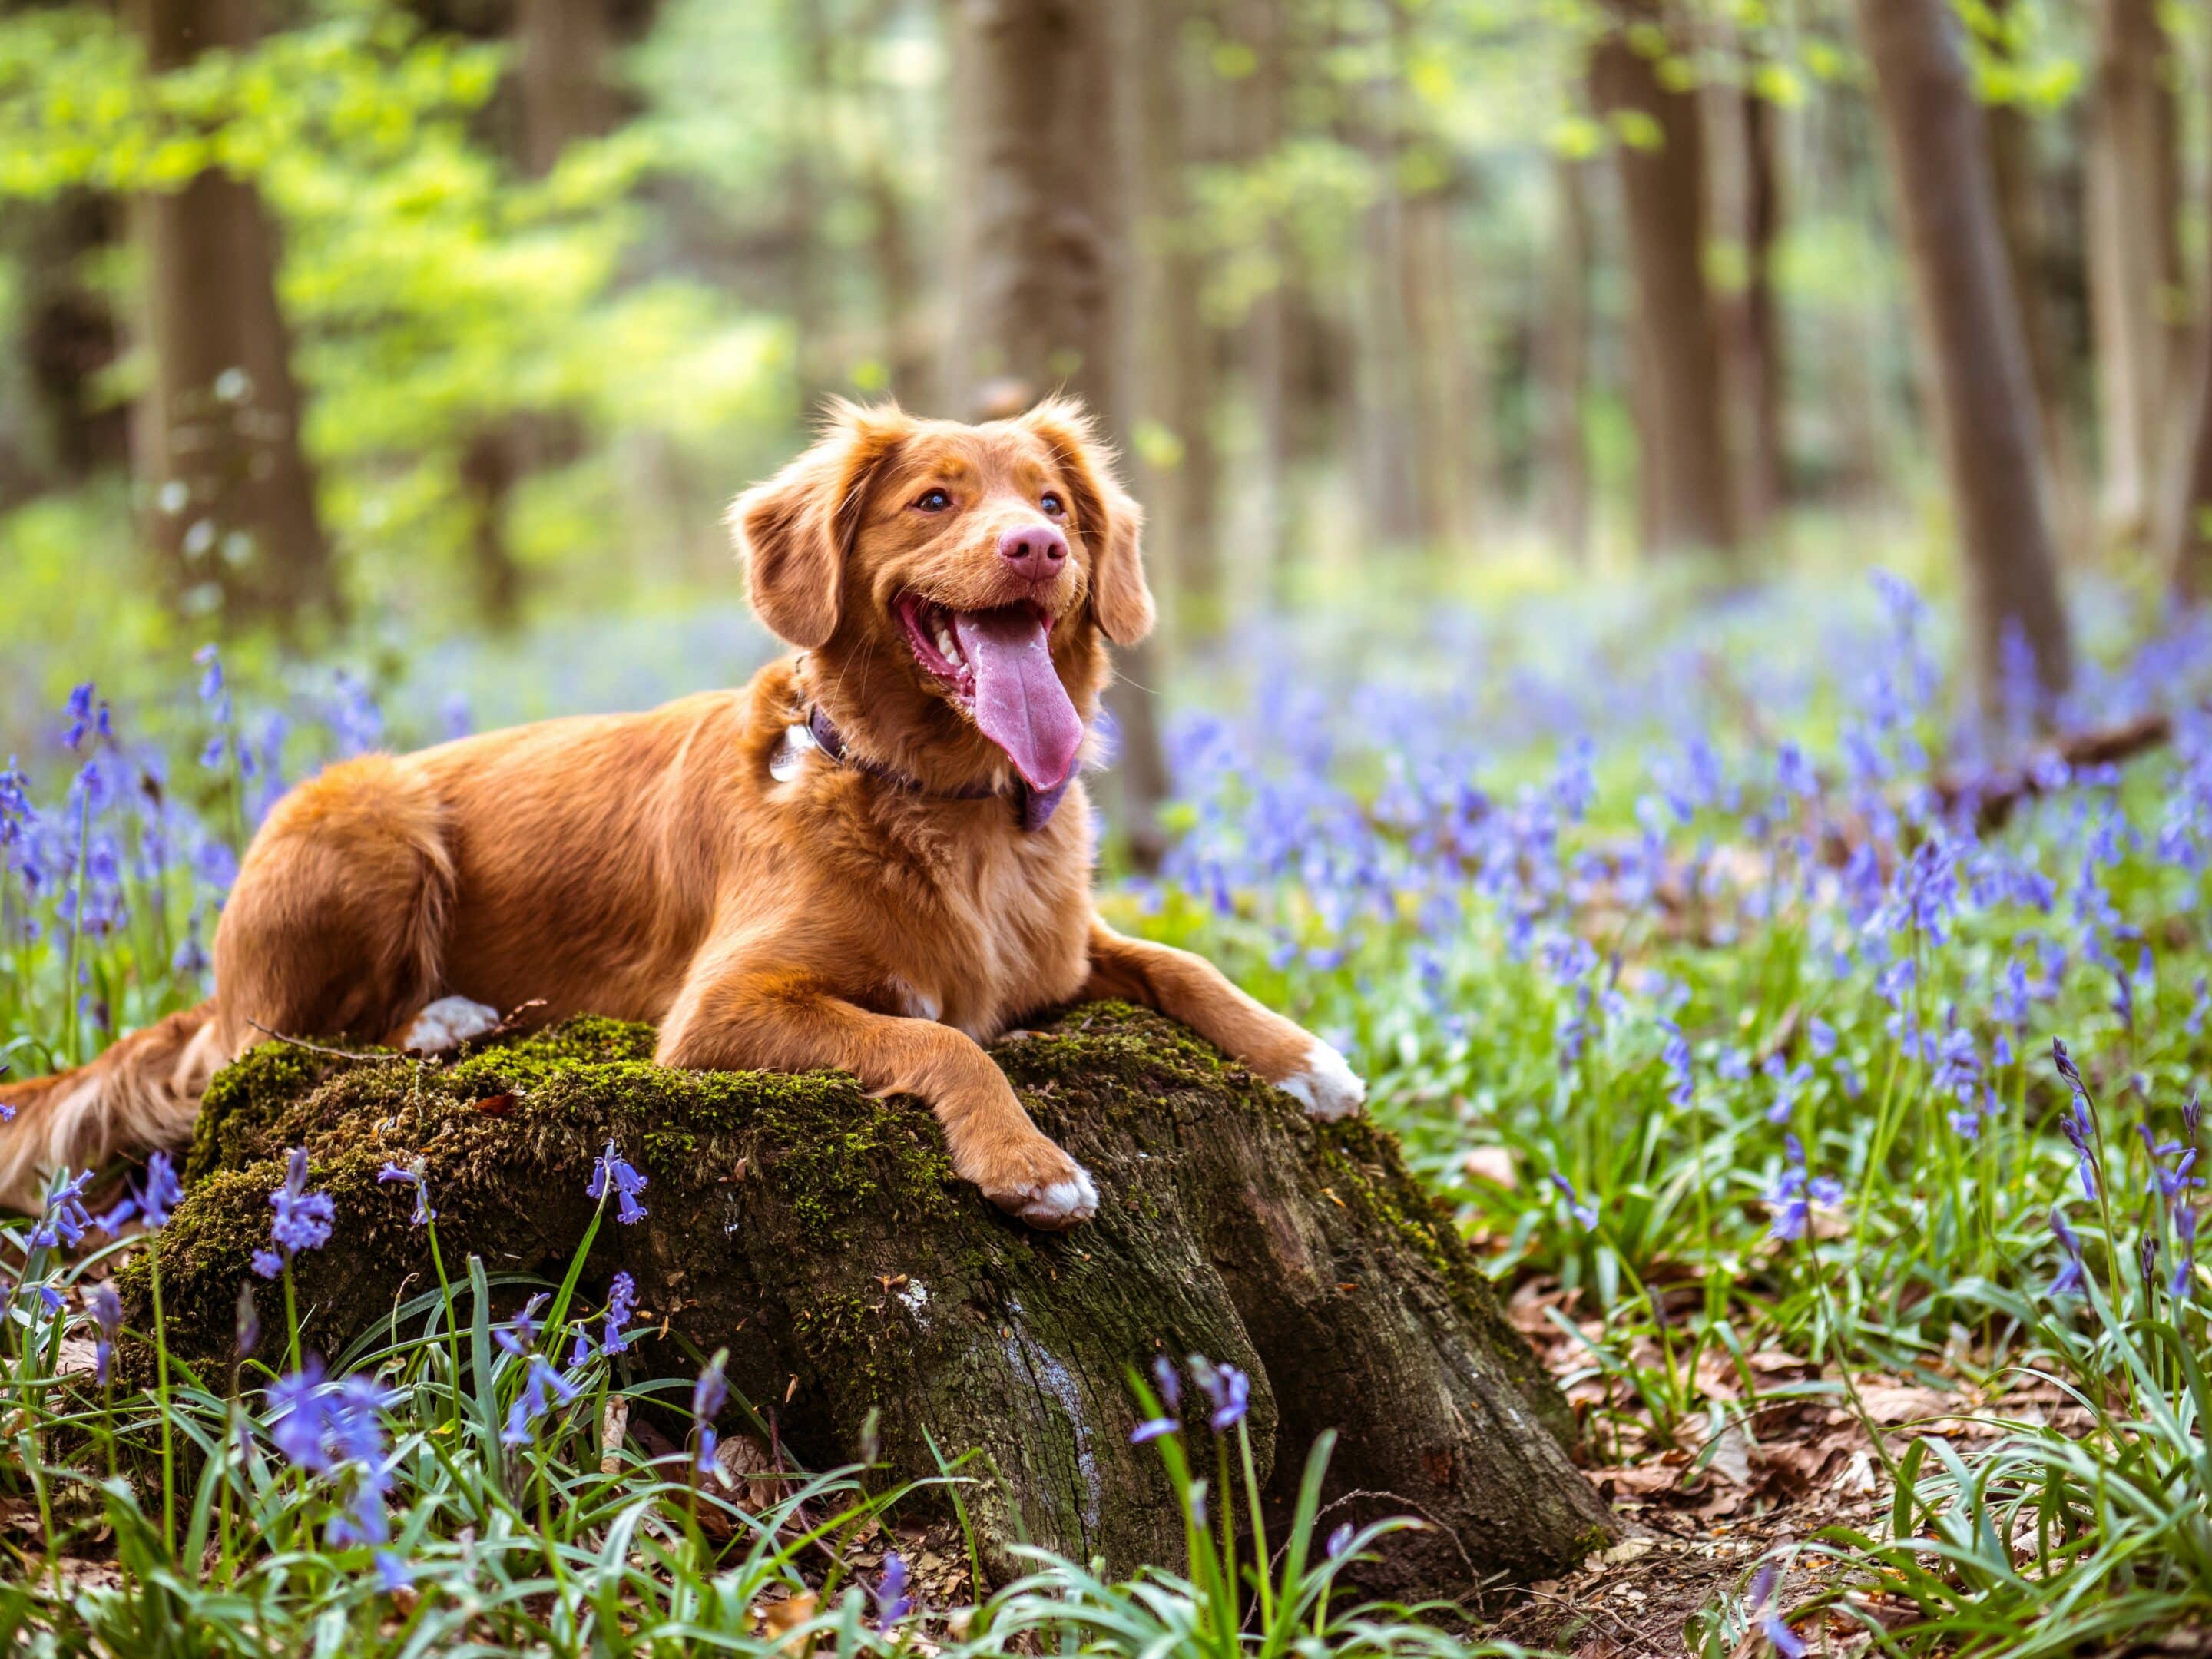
1338	1542
622	1302
521	1336
423	1213
894	1602
1227	1389
628	1184
65	1220
1768	1622
392	1572
1152	1428
1585	1213
1163	1373
249	1321
268	1263
2070	1271
303	1219
107	1314
709	1443
709	1392
301	1417
2185	1249
543	1389
1794	1193
2081	1134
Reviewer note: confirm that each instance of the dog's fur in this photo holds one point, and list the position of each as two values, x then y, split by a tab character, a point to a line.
650	867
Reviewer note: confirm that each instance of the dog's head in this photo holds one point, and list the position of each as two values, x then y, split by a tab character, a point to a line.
953	582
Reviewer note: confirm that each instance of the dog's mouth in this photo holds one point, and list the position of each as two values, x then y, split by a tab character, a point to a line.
995	667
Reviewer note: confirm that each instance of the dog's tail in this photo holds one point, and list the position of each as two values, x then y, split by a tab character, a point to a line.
143	1093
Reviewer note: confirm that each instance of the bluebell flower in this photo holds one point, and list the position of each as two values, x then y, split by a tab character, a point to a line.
1338	1541
894	1600
519	1336
1585	1213
622	1302
2184	1248
1795	1192
1170	1382
1766	1620
391	1573
301	1417
65	1220
709	1392
2081	1134
2071	1270
268	1263
107	1316
413	1174
248	1328
303	1219
627	1182
1228	1390
543	1388
1151	1429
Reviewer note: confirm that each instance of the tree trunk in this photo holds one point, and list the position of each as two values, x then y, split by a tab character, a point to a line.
66	336
1041	132
1563	347
2013	157
1683	459
231	497
562	94
819	1235
2135	260
2187	530
1970	323
1754	323
1180	382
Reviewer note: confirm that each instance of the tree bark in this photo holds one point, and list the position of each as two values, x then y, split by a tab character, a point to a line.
1180	382
820	1236
1753	317
66	336
1563	348
231	496
1685	479
2133	183
1970	323
1040	136
2185	534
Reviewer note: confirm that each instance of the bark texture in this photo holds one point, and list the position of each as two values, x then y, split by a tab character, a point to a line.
2133	201
1041	138
821	1236
1687	496
1970	328
231	496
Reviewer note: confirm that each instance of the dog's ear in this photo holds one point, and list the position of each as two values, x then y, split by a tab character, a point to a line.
1107	520
795	531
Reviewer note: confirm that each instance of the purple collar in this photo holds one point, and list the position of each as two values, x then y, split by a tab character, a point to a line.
1035	806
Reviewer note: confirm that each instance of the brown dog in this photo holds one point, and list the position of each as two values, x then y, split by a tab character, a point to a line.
863	861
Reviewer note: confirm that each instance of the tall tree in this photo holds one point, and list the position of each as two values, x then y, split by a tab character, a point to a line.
1685	481
1041	130
2186	527
1970	321
1562	363
65	334
2133	186
1179	377
1751	316
231	496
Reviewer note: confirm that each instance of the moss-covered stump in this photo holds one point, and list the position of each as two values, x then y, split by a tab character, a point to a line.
822	1237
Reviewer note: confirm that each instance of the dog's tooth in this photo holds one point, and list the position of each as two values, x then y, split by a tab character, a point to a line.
951	652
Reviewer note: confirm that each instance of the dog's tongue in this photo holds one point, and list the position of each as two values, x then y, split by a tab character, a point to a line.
1019	701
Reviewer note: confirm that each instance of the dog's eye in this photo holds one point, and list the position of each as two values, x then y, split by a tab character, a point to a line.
1052	504
934	501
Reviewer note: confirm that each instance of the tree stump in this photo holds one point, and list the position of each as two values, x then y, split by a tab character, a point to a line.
821	1236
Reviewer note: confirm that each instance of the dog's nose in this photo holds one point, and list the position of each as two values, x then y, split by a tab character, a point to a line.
1036	550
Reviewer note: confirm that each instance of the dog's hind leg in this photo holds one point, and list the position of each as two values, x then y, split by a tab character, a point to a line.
337	926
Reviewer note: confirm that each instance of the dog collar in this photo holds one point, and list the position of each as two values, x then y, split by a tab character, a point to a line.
1035	807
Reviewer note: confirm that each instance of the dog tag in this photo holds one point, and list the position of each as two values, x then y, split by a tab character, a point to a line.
790	753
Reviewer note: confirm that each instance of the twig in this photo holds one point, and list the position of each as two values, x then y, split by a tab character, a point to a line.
335	1053
1995	795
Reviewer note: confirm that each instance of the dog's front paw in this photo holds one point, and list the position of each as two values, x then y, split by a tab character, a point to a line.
447	1023
1053	1194
1326	1085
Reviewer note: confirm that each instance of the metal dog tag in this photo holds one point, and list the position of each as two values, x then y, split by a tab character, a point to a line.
790	753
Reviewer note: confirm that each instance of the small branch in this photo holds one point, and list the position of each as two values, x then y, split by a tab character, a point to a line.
1996	795
335	1053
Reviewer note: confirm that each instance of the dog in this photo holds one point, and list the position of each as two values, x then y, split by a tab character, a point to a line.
874	858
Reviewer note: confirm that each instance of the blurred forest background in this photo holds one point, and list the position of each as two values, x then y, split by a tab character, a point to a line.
356	326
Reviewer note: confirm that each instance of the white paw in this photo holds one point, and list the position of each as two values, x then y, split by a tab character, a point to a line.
1058	1205
447	1023
1328	1088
